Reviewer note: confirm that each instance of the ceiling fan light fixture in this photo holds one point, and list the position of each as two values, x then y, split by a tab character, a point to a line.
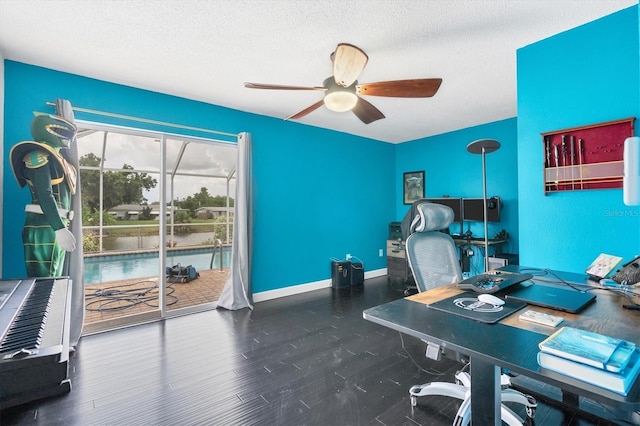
340	100
342	91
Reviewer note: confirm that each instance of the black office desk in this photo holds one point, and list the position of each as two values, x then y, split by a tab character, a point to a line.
511	343
478	241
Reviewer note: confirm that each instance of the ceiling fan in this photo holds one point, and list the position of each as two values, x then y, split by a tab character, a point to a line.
341	90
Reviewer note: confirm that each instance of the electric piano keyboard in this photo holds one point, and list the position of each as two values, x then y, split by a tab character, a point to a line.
34	339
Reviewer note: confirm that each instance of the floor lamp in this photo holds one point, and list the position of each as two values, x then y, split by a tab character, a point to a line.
484	146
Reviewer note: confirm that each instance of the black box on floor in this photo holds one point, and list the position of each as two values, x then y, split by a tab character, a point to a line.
341	274
357	274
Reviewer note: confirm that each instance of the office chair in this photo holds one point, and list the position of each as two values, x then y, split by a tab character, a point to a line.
432	257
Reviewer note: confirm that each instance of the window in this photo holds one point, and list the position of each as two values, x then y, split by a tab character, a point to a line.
122	181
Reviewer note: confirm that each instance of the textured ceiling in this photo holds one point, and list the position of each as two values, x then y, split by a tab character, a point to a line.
206	49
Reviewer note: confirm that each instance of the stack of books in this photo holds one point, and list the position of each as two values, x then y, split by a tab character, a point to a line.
601	360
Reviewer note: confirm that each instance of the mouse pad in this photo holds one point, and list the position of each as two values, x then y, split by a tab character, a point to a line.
467	305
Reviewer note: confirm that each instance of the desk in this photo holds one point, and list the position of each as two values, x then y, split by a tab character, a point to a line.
478	241
464	243
511	344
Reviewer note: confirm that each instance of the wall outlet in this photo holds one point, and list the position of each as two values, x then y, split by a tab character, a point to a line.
348	256
380	253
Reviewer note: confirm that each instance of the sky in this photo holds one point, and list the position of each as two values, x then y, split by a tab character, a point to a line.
206	163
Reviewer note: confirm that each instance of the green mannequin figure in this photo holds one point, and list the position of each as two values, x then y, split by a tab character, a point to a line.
52	181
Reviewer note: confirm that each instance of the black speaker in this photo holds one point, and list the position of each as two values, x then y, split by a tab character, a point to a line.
341	274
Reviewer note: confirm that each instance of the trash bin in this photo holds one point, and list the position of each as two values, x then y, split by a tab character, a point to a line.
357	274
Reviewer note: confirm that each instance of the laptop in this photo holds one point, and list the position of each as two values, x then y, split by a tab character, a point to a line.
561	299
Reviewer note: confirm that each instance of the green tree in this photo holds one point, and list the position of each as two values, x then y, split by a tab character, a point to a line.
146	213
195	201
90	243
203	199
90	183
91	217
220	228
182	217
122	187
220	201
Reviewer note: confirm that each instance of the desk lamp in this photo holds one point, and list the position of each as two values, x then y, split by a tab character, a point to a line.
484	146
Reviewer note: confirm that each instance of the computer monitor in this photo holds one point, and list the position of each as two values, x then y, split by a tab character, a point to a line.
454	203
473	209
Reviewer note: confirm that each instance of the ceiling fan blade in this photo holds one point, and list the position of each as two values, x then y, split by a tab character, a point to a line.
281	87
418	88
366	112
348	63
306	111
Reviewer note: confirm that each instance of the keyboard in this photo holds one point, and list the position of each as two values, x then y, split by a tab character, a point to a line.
492	282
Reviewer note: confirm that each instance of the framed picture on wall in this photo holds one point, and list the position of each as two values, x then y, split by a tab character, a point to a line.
413	183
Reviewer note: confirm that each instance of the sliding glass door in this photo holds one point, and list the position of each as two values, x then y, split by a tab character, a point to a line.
157	223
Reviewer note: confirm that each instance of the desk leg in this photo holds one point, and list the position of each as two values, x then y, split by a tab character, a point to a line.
485	393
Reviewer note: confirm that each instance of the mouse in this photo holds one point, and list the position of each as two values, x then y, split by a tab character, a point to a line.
491	299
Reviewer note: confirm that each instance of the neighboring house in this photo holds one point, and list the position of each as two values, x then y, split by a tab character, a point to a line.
126	211
155	213
213	212
133	211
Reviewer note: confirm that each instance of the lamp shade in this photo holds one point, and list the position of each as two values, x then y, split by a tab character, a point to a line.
485	146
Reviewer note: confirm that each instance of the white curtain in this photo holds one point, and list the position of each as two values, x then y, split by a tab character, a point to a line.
74	262
236	293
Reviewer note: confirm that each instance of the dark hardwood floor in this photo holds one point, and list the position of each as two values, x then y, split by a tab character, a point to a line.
308	359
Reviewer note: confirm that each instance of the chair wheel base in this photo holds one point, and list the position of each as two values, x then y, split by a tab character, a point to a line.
462	392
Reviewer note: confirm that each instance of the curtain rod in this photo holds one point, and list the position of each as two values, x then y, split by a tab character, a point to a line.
145	120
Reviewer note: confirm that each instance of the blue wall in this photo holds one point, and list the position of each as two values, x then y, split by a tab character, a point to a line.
319	194
584	76
451	170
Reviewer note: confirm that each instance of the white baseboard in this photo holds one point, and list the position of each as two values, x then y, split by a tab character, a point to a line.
303	288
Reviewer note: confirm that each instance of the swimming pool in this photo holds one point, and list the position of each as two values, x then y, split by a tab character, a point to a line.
108	268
